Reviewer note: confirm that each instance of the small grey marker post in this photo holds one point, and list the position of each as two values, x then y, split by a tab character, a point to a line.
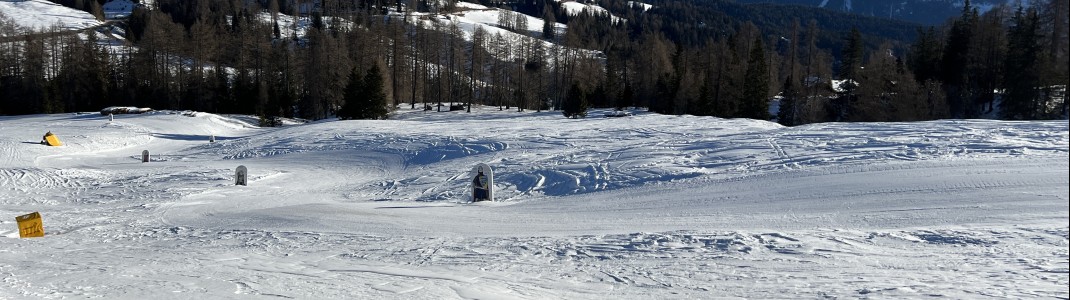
240	176
111	117
145	156
211	138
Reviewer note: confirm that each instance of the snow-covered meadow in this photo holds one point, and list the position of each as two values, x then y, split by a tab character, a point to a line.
639	207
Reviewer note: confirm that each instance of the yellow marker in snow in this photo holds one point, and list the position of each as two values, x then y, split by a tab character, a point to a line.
52	139
30	225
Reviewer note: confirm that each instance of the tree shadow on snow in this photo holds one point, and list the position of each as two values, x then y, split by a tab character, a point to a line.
410	206
189	137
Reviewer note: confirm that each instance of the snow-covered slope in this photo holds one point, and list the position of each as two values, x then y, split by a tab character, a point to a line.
476	14
472	16
647	206
42	15
575	8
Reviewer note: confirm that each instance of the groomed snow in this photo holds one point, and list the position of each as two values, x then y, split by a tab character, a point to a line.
638	207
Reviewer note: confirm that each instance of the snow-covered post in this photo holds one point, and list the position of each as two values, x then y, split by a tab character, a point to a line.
482	183
240	176
145	156
111	117
211	138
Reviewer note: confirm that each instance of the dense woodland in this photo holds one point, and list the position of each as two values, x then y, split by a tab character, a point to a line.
359	59
927	12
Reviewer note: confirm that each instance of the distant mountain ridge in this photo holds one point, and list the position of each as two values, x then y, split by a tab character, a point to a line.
928	12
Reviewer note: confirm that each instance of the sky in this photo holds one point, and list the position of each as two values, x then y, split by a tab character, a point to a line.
638	207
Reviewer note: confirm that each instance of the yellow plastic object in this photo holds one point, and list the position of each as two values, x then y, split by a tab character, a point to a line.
53	140
30	225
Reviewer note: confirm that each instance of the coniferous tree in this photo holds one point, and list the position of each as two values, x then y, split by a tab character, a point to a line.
548	20
35	92
987	56
137	23
814	77
925	55
576	102
725	96
956	61
1020	101
1057	16
375	106
475	66
664	94
887	92
269	107
653	66
789	111
354	96
851	58
756	84
317	20
97	65
626	96
850	65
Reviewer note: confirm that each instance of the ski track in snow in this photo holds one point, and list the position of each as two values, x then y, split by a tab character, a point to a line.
647	206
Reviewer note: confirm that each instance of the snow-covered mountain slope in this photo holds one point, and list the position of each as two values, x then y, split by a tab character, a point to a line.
473	14
647	206
575	8
43	15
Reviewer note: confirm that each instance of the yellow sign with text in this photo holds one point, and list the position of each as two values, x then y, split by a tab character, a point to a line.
30	225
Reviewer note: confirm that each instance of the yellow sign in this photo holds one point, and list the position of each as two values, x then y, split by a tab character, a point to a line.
30	225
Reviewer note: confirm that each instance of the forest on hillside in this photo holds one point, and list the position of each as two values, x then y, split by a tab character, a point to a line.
358	59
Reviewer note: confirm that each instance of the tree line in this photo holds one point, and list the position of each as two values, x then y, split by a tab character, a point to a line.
357	57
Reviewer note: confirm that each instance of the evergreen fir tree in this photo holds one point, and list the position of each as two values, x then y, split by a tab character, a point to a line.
851	58
353	96
664	95
704	104
364	96
375	107
925	56
756	84
1020	96
788	113
626	95
955	60
548	24
575	103
850	67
